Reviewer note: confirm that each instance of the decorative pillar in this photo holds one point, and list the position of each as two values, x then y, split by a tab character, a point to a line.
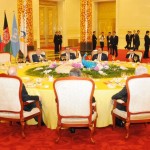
25	8
85	26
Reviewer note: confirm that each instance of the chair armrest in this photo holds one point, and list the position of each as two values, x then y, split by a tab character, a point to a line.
94	106
119	101
32	101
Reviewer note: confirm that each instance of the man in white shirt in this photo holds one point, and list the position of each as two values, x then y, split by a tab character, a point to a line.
101	40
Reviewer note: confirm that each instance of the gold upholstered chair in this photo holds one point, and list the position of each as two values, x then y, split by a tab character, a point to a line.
11	104
74	103
138	102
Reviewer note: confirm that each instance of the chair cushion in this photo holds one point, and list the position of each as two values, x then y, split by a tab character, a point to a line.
78	120
17	116
123	114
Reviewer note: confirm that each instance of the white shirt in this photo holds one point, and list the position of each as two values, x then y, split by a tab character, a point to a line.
131	55
99	57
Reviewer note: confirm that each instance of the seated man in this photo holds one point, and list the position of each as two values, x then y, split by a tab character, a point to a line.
67	55
100	55
39	56
123	94
25	96
132	57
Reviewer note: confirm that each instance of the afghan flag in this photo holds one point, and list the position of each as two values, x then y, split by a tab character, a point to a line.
6	37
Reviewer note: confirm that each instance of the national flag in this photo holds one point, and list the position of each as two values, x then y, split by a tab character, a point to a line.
15	38
6	37
23	44
1	50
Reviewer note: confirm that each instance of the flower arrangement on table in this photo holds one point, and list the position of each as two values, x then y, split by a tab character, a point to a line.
101	70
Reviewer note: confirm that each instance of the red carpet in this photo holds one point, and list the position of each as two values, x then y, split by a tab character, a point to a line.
44	139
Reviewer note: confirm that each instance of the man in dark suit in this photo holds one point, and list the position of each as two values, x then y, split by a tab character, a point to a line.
147	43
39	56
123	94
56	42
128	40
94	40
114	44
59	40
67	55
132	57
137	40
108	42
25	96
100	55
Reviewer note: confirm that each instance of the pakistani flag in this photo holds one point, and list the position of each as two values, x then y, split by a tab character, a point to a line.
6	37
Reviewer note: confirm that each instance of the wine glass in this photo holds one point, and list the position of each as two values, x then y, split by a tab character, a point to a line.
24	60
135	58
63	58
113	57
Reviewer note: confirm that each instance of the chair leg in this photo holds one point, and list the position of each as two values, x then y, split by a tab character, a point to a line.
114	120
94	125
39	120
91	135
127	129
59	135
22	128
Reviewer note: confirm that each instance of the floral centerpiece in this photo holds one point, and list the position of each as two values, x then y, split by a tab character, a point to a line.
100	70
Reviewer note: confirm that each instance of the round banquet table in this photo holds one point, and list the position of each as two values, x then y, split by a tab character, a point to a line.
104	89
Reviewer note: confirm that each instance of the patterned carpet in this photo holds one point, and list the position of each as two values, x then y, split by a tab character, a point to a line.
44	138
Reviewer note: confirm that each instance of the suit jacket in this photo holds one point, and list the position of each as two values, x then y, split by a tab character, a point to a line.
59	39
94	38
108	39
35	57
137	40
134	55
26	97
147	40
114	40
128	38
121	95
103	57
72	56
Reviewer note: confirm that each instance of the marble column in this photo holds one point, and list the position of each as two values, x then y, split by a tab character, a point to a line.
25	8
85	26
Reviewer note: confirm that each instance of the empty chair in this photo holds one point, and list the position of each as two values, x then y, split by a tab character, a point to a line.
74	103
138	102
5	57
11	104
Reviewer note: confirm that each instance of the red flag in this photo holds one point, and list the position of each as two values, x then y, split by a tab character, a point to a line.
6	37
1	50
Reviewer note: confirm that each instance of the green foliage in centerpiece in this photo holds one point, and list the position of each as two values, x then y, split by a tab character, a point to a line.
113	71
110	72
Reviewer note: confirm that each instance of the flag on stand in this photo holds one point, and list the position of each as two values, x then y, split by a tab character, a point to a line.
6	37
23	44
15	38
